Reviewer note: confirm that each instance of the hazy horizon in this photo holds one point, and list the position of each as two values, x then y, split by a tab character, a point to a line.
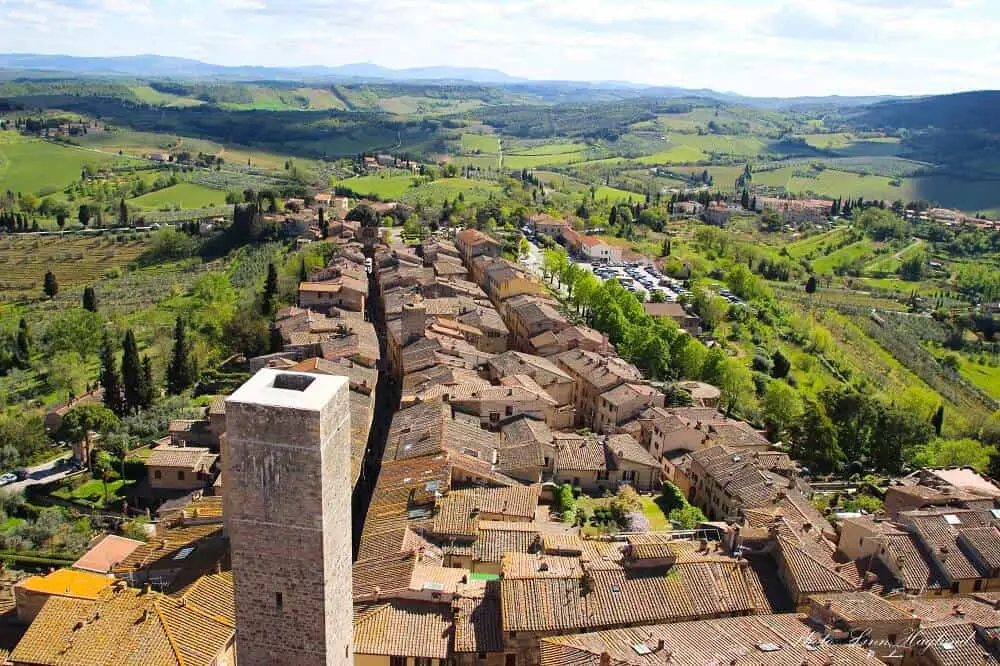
760	48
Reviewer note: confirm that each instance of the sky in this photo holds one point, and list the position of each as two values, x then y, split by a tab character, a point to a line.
753	47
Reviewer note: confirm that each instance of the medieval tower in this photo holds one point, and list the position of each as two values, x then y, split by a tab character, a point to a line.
286	476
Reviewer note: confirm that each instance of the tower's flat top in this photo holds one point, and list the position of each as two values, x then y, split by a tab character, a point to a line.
307	392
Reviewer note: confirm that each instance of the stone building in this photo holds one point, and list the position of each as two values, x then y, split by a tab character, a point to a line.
288	512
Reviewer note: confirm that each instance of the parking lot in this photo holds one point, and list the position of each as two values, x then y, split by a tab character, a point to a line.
637	277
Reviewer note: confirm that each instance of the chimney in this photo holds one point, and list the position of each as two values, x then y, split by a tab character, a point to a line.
605	659
414	321
660	644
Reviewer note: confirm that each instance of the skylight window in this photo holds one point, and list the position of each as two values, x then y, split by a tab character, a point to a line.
768	647
952	519
183	553
641	648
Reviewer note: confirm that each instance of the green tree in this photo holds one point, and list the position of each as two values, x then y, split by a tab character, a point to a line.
816	439
270	295
102	466
781	406
51	286
688	356
84	214
182	372
110	379
737	387
782	366
990	432
811	285
123	213
76	330
22	343
248	334
132	388
687	517
86	418
67	372
303	271
148	394
658	297
89	299
955	453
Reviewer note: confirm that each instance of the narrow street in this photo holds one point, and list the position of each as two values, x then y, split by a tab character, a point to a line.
386	402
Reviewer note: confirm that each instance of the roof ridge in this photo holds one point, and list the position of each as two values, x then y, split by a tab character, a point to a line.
809	555
166	630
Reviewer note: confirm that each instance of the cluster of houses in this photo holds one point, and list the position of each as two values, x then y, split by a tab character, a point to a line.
501	401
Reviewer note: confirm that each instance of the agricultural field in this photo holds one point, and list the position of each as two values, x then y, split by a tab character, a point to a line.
382	186
485	144
149	95
438	191
677	154
75	259
849	255
810	244
181	196
613	194
41	167
986	377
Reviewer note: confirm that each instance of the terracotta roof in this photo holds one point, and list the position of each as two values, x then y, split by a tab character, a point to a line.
495	539
955	645
603	372
625	447
945	611
477	623
382	577
606	598
811	574
459	512
404	629
760	639
188	457
128	627
856	607
673	310
213	594
651	546
939	530
580	453
984	544
106	553
536	565
166	549
516	363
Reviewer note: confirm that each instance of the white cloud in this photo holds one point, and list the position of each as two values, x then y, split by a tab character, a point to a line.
766	47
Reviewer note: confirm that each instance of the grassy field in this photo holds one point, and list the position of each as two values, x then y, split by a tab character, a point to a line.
737	146
485	144
182	195
985	377
806	245
148	95
76	260
891	262
33	165
678	154
614	194
848	254
449	188
382	186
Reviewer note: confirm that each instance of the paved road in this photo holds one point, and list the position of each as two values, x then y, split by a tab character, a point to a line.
44	473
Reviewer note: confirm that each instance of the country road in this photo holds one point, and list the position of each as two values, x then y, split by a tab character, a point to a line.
43	473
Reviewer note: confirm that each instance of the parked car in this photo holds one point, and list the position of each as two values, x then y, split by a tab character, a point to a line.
22	473
7	478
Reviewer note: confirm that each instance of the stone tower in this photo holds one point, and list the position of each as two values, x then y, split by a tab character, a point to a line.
286	475
414	321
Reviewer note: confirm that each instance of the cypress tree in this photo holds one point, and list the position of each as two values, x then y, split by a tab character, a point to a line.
89	299
303	271
182	372
23	342
277	342
110	379
270	291
938	420
131	374
123	213
148	392
51	287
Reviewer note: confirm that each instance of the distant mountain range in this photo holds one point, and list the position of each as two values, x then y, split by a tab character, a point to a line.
155	66
167	67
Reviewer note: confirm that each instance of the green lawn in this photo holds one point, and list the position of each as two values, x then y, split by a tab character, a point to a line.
448	188
848	254
183	195
613	194
485	144
33	165
10	523
91	493
658	521
806	245
985	377
677	154
383	186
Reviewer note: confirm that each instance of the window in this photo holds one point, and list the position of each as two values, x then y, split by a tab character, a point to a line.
494	416
422	661
602	476
180	476
157	474
510	660
977	586
892	639
628	475
509	411
279	601
397	661
954	587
